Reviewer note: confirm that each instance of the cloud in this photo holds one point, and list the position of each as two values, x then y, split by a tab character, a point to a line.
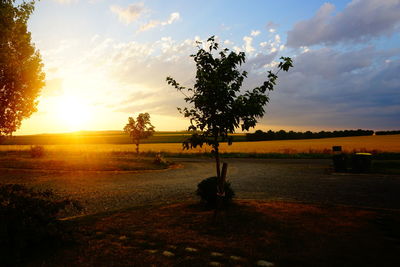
74	1
271	27
359	21
261	60
66	1
329	63
228	42
130	13
327	87
339	89
255	33
248	48
155	23
273	45
172	18
149	25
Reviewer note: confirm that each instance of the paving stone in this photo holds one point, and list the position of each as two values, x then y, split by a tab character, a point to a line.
264	263
167	253
215	263
151	251
172	247
138	233
129	247
123	237
188	249
216	254
236	258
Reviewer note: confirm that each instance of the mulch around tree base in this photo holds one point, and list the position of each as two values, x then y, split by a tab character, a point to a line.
246	234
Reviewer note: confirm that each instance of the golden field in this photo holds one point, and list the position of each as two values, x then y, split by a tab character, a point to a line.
381	143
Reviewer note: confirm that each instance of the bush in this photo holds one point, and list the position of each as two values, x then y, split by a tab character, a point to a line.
207	190
37	151
159	159
28	218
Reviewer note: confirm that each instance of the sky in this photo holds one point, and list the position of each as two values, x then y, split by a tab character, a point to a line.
106	60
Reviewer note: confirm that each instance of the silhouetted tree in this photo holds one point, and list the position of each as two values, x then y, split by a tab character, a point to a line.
283	135
387	132
216	106
21	75
139	129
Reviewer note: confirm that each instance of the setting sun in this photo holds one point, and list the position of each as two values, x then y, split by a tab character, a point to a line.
73	112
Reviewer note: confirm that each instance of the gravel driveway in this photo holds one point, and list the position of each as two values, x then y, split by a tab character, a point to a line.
270	179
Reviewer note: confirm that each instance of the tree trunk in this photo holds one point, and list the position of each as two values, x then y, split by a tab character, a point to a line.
222	179
220	191
137	148
217	163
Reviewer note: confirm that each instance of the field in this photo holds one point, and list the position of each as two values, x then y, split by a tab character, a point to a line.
376	143
100	137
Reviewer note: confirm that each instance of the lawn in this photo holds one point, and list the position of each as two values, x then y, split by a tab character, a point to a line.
80	161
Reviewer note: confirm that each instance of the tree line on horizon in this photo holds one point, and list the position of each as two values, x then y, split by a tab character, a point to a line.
260	135
387	132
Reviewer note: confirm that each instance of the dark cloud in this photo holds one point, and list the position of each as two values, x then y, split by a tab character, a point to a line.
328	88
359	21
261	60
327	62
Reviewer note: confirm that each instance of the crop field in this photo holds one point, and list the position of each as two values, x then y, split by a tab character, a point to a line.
100	137
382	143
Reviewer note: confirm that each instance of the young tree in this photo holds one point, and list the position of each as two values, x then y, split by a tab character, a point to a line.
21	75
139	129
217	108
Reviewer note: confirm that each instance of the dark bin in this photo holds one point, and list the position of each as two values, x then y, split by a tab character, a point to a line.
361	162
340	162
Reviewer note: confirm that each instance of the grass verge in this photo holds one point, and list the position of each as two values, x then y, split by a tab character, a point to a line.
81	161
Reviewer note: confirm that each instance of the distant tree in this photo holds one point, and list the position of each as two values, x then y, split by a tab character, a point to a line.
139	129
387	132
216	106
283	135
21	75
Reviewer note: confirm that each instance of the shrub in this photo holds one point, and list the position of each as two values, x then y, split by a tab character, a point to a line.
28	218
37	151
159	159
207	190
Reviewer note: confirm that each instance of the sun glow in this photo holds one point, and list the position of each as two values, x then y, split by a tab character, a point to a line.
73	113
